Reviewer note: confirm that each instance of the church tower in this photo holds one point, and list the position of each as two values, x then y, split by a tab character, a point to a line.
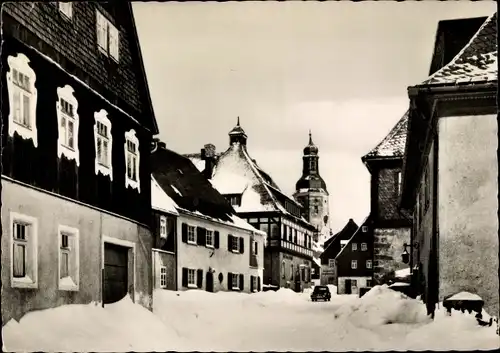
311	192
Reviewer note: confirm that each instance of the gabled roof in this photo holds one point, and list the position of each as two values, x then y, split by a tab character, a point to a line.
365	221
345	234
475	63
393	145
187	187
160	200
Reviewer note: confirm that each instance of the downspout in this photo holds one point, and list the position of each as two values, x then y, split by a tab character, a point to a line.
102	258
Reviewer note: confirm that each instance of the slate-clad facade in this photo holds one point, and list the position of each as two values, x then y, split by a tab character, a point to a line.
77	128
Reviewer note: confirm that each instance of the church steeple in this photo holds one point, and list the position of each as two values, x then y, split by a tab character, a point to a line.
237	134
310	168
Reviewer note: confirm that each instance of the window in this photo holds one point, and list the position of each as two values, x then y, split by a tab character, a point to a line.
22	98
235	242
235	283
354	283
191	235
364	247
399	183
254	283
354	246
368	263
210	238
163	277
283	269
316	209
343	243
67	116
235	200
68	259
108	37
132	160
364	229
24	266
192	278
103	144
255	247
312	164
369	283
66	8
291	271
331	262
354	264
163	227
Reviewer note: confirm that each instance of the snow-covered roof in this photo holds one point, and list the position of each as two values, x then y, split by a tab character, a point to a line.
160	200
476	62
317	261
393	145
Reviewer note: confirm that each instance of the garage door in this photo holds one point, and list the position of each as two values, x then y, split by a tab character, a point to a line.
115	272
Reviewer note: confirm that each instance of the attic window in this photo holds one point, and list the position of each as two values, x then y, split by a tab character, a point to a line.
364	229
108	37
234	200
343	243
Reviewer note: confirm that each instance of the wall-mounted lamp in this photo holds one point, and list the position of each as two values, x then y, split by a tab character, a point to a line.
405	256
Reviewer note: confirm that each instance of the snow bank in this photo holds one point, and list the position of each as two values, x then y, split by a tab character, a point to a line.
381	306
122	326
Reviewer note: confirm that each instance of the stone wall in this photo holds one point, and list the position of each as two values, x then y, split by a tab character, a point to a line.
388	247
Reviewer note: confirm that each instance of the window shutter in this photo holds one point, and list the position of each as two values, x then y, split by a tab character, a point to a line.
184	232
258	284
101	27
229	281
201	236
229	242
251	284
200	278
242	245
242	281
216	239
184	277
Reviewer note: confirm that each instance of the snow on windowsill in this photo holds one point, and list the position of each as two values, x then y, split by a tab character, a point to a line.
134	184
209	246
235	251
67	284
23	282
191	242
236	288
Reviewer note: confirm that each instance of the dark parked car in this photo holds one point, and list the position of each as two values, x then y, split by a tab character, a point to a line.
321	293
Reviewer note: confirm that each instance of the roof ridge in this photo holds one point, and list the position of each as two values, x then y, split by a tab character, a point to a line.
353	235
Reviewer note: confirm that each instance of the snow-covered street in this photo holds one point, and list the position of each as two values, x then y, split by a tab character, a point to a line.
226	321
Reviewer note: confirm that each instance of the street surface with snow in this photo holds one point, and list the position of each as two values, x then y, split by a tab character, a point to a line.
266	321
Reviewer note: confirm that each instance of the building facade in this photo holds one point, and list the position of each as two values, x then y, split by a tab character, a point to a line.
312	194
354	262
332	248
75	155
206	245
451	175
391	226
288	253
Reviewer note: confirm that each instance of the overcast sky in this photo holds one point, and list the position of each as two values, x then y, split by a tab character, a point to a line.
340	69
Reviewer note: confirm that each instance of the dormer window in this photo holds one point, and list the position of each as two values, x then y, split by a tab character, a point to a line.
103	144
22	98
66	8
108	37
234	200
67	106
132	160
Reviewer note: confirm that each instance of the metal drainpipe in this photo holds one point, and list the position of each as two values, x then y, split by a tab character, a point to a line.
102	259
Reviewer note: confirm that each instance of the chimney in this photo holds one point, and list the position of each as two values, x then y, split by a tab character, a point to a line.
161	144
208	155
155	143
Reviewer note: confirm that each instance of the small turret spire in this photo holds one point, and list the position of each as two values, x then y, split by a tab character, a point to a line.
310	137
238	121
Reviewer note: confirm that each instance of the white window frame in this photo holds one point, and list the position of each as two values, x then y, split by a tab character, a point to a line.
67	93
72	281
131	137
354	246
191	284
364	229
237	277
354	264
163	277
102	118
20	63
30	280
193	233
66	8
331	262
364	247
255	284
343	243
209	235
109	44
163	227
255	247
235	240
369	264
